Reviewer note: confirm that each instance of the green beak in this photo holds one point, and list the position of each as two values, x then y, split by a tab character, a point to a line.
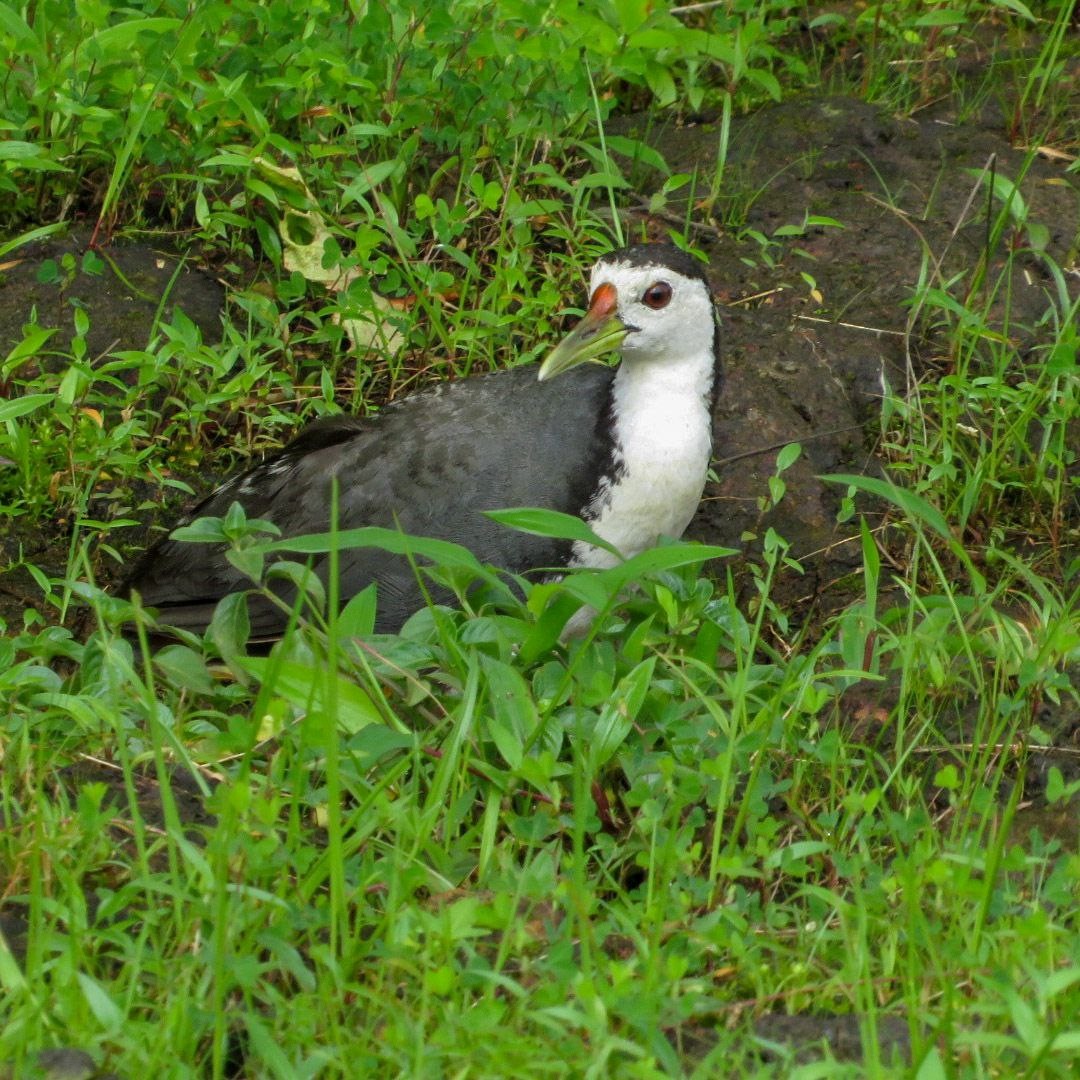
600	331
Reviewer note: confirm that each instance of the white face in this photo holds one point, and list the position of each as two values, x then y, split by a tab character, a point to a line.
667	313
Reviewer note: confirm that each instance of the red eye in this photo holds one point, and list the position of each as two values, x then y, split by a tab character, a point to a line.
657	295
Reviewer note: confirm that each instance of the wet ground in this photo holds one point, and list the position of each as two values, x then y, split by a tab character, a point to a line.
806	361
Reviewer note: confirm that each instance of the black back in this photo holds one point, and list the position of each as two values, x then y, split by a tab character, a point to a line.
429	465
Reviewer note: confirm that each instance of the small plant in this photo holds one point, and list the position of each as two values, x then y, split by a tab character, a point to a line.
449	850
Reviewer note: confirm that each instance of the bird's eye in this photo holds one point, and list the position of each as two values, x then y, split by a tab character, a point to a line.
657	295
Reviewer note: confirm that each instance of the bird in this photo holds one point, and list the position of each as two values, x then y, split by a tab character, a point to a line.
625	448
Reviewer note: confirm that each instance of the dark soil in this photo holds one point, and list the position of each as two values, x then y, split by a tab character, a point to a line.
122	297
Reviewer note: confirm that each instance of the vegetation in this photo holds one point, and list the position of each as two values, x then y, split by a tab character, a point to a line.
473	849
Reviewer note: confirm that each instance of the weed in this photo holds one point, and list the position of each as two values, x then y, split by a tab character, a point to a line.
474	846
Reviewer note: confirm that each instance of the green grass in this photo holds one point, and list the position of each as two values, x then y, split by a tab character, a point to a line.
472	850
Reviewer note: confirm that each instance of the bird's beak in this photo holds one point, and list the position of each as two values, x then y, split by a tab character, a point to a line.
600	331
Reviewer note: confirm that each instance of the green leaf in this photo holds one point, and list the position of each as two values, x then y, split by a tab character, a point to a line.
941	17
766	80
205	530
442	552
105	1010
915	506
638	151
513	716
932	1067
11	23
1005	191
618	715
357	618
1026	1022
652	40
122	36
305	687
1017	7
602	179
1038	235
554	523
375	742
1057	982
33	340
796	852
78	708
32	235
553	618
28	153
230	628
787	457
947	777
871	566
661	83
184	668
669	557
370	177
28	403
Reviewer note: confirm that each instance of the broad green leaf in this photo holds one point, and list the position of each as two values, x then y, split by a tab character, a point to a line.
357	618
652	40
79	708
618	715
1056	982
28	403
33	340
1026	1022
184	668
230	628
122	35
941	17
638	151
548	627
513	715
554	523
1017	7
305	687
801	849
669	557
914	505
376	741
371	176
788	456
11	23
603	179
31	236
204	530
106	1012
766	80
17	150
442	552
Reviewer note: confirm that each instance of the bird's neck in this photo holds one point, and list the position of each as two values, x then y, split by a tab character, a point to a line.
647	389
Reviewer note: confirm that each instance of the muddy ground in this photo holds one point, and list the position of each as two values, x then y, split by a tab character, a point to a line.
802	364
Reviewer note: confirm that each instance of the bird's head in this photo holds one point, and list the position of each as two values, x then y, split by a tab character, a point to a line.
652	301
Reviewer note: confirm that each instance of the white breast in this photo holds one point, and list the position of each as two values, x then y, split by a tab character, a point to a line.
663	432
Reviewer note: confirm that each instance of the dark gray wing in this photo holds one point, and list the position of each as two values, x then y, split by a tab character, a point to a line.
429	464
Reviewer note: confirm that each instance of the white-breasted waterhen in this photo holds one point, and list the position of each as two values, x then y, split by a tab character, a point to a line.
626	448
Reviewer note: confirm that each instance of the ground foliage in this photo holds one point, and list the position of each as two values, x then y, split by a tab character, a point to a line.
473	849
